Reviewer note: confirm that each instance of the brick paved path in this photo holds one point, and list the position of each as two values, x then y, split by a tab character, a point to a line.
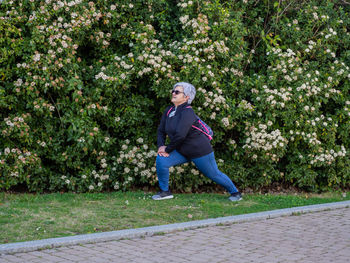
315	237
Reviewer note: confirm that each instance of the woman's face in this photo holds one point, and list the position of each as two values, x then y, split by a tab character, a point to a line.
179	98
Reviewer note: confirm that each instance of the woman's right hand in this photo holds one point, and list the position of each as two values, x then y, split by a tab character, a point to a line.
162	152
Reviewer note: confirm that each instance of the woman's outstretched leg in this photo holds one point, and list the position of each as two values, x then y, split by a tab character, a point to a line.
207	165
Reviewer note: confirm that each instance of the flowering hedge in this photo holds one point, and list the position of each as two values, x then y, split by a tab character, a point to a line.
84	84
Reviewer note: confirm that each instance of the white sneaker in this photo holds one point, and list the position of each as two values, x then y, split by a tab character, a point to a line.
162	195
235	197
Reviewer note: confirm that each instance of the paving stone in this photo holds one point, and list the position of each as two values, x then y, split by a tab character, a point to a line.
314	237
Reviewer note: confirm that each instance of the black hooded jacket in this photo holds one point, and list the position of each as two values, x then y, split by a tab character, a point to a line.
177	124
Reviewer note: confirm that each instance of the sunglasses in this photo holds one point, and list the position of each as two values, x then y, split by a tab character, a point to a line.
177	92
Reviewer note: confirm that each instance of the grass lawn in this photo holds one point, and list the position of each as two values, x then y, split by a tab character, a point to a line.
25	217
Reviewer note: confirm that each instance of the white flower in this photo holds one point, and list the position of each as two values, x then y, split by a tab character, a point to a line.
18	83
36	57
195	172
91	187
226	122
9	123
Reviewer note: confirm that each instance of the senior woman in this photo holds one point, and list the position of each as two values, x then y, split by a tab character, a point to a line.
186	144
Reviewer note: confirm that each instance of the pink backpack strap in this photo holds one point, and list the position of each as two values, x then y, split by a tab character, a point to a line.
169	111
207	134
203	126
173	107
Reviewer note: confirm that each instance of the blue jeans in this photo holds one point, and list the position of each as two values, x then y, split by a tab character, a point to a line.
206	164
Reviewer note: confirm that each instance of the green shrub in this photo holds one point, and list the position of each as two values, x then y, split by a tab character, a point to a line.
84	84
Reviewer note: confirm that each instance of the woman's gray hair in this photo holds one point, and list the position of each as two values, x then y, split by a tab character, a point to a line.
189	90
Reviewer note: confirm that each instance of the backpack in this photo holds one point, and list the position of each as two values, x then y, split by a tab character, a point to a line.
200	126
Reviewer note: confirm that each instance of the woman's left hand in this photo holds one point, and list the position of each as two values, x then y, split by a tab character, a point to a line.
162	152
